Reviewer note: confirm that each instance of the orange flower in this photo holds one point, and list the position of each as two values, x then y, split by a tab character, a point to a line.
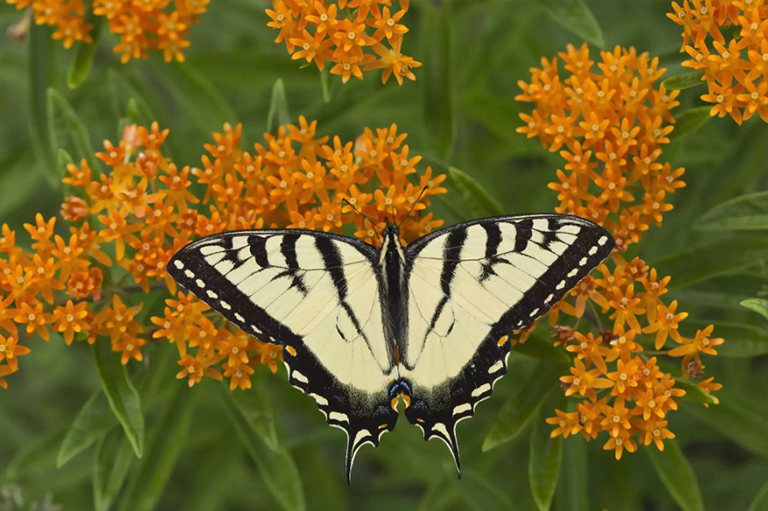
71	319
322	30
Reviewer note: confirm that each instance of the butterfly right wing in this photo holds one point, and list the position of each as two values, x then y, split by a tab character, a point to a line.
317	295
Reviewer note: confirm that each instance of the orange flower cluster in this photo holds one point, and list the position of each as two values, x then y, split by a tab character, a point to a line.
736	69
344	32
610	125
159	25
143	210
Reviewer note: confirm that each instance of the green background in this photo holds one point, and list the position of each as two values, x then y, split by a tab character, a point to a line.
269	448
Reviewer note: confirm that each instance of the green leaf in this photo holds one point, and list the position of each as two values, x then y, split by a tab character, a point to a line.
478	201
693	392
438	87
256	407
546	456
735	418
515	414
92	421
690	120
325	78
121	394
543	349
573	491
760	502
278	107
759	305
42	70
741	339
677	475
748	212
277	468
684	81
75	129
111	463
81	64
168	438
575	16
703	262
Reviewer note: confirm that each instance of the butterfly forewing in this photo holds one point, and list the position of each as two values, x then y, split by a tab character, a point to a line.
469	286
316	294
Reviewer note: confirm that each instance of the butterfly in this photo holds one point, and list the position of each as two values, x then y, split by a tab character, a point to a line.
364	327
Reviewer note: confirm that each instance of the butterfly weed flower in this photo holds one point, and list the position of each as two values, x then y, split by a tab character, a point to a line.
610	121
353	35
728	43
148	25
85	281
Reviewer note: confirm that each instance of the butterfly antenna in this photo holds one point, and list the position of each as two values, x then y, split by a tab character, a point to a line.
414	204
366	217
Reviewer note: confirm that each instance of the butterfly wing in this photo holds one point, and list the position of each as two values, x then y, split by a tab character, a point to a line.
317	295
469	286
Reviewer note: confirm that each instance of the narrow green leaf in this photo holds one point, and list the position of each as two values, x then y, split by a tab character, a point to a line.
543	349
76	130
325	77
693	392
256	407
575	16
81	64
121	394
92	421
760	502
111	462
546	456
684	81
478	201
573	490
741	339
277	468
737	420
438	86
759	305
748	212
677	475
42	70
278	107
700	263
168	437
522	406
690	120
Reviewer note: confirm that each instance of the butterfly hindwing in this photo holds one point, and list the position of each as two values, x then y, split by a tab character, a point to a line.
318	296
469	286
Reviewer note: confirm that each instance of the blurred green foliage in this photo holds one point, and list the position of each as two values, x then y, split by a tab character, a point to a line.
269	448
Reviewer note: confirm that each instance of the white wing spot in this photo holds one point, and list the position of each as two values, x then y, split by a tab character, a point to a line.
320	400
602	240
224	305
534	311
178	264
299	377
549	298
482	389
200	283
561	285
189	274
573	272
212	294
440	428
593	251
498	366
338	416
239	317
583	261
466	407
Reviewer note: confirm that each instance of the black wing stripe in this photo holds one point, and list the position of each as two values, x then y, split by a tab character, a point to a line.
451	253
258	246
333	264
524	232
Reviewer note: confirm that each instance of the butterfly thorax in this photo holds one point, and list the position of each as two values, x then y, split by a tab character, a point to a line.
392	264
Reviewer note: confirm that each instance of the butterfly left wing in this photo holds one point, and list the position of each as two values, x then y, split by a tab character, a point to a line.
469	286
316	294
